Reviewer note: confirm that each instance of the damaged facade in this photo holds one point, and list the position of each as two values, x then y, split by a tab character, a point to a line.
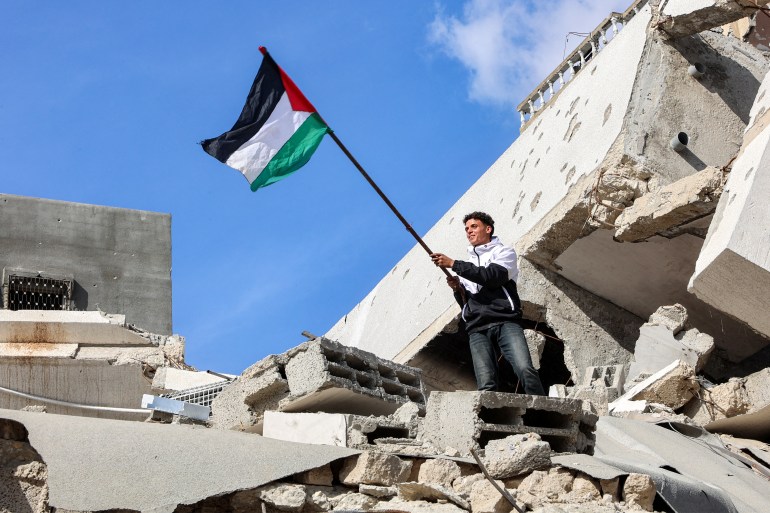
634	197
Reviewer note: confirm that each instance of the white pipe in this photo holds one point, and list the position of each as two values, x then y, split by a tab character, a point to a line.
74	405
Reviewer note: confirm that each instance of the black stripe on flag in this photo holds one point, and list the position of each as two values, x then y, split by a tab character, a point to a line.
264	95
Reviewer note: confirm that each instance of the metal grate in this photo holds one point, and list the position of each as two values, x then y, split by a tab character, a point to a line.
38	293
202	395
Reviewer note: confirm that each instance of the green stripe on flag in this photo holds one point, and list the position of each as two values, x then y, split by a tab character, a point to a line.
294	153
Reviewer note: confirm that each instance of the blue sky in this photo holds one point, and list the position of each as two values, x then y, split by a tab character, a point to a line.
105	102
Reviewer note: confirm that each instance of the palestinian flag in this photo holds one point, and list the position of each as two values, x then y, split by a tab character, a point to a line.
276	133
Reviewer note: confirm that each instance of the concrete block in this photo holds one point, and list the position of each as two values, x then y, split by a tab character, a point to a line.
516	455
326	376
465	420
175	407
732	272
234	407
371	432
309	428
374	468
597	396
612	377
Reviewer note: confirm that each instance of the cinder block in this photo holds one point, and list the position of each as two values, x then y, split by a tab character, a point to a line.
611	376
466	420
370	432
326	376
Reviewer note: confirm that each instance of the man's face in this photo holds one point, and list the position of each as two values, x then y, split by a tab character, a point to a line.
477	232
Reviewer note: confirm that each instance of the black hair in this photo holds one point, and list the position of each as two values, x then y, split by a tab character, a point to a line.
483	217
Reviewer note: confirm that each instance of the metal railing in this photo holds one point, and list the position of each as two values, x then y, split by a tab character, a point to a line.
594	43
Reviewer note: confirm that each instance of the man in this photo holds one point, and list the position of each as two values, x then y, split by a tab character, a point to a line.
486	290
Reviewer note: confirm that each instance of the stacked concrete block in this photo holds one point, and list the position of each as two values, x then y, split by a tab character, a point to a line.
466	420
318	376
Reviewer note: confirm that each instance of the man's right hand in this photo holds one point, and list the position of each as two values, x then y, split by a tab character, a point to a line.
453	282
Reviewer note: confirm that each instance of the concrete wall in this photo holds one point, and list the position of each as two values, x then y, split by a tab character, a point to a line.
733	269
120	259
566	142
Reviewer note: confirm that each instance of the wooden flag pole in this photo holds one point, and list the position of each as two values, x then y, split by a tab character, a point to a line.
382	195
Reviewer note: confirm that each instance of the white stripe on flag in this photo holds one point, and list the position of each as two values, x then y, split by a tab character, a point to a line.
256	153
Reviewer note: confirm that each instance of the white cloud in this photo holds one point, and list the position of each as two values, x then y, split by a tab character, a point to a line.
509	46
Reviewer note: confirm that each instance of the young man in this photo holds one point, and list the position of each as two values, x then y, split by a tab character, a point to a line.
486	290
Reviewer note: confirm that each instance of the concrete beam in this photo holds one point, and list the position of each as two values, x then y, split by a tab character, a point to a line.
732	272
680	18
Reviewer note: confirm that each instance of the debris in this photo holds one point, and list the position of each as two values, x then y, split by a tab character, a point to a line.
439	471
430	492
516	455
639	490
374	468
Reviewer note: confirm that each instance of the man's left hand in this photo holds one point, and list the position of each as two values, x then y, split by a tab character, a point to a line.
442	260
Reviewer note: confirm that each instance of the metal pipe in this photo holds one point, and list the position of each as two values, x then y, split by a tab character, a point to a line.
74	405
696	70
679	142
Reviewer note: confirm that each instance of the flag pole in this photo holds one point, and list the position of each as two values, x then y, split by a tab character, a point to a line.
382	195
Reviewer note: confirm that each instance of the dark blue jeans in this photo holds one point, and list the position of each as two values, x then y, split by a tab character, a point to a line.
509	337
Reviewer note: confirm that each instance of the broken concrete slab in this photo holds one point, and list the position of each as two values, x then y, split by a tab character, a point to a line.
675	204
673	317
657	347
515	455
680	18
466	420
242	404
672	385
309	428
118	466
439	471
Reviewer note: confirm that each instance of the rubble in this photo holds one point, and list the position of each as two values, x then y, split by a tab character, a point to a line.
375	468
515	455
639	490
23	473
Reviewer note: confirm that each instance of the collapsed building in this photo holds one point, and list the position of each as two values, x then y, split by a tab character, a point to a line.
634	197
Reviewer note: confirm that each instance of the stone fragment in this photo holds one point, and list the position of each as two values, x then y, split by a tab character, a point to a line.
639	489
674	389
406	413
323	498
673	317
283	497
374	468
516	454
439	471
584	489
246	500
758	389
701	344
430	492
464	484
417	507
541	486
485	498
380	492
355	502
719	402
536	345
23	474
320	476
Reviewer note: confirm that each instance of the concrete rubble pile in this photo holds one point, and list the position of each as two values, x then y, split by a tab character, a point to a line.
636	191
